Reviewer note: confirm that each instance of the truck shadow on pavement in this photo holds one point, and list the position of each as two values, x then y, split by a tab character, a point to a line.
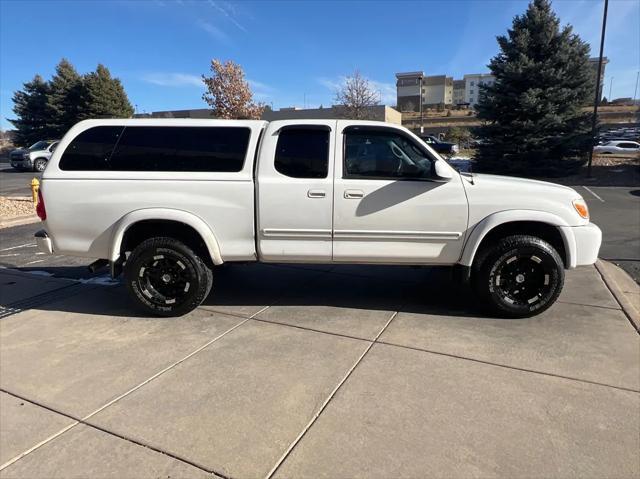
299	290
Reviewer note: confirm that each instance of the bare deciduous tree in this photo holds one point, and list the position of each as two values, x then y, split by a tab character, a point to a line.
356	96
228	93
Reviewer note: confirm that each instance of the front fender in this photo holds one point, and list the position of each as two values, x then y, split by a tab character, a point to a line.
168	214
496	219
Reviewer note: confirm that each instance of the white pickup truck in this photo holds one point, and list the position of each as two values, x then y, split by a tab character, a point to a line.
166	201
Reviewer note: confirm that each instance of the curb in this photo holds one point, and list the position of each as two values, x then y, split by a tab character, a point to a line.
19	220
623	288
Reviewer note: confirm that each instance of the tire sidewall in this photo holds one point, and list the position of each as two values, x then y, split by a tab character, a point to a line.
486	282
200	282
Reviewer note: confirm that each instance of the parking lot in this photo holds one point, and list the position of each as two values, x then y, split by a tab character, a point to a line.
313	371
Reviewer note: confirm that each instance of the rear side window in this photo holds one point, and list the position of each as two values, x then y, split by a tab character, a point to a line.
91	149
303	152
152	148
158	148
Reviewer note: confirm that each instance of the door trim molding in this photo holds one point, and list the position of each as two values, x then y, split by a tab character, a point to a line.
283	233
377	235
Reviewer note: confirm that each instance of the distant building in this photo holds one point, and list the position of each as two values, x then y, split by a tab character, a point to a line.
414	88
458	92
376	113
472	86
199	113
408	92
437	90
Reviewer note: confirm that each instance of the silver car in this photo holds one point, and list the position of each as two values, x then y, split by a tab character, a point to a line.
35	157
618	148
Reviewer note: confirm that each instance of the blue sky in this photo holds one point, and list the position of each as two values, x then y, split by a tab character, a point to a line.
293	52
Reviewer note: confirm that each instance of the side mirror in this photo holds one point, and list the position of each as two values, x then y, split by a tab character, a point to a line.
443	171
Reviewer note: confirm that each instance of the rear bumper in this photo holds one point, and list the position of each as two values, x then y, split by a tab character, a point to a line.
44	242
588	239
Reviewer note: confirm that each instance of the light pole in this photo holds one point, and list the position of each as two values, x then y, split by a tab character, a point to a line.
594	121
635	92
610	86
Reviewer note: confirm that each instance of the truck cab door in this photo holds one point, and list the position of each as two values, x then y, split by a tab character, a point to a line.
389	205
294	190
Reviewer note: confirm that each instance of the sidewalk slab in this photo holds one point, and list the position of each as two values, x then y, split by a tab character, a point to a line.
237	405
84	452
83	351
584	286
339	304
408	414
584	342
246	289
23	425
16	286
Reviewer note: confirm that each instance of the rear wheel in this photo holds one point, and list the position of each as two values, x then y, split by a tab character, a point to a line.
166	277
39	165
521	276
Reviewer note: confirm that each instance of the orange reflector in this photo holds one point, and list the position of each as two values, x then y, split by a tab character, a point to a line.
581	207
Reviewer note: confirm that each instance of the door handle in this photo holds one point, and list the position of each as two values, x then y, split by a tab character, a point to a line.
316	194
353	194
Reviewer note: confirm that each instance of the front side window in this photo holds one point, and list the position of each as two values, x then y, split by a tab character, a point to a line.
172	148
91	149
303	152
383	154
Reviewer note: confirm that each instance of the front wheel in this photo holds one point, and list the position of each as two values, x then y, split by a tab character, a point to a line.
519	277
166	277
39	165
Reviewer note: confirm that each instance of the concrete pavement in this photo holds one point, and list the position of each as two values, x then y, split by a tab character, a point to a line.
616	210
315	371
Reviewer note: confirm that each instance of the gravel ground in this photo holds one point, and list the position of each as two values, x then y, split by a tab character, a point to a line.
15	206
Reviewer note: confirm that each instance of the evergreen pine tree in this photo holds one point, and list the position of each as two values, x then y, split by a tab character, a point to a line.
532	114
64	98
103	96
30	107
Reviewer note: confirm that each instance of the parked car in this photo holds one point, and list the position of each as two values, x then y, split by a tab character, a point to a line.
618	147
35	157
165	201
439	145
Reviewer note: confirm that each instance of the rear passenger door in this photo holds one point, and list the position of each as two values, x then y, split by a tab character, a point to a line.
294	182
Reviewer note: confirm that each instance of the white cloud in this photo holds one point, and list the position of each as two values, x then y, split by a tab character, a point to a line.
172	79
228	11
261	91
212	30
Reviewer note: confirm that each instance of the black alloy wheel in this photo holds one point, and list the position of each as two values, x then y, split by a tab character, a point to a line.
521	276
166	277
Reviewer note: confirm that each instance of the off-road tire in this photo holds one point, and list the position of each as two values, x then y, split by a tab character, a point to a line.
166	277
39	165
519	277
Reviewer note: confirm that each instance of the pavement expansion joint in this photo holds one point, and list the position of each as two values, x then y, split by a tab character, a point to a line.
84	419
326	402
506	366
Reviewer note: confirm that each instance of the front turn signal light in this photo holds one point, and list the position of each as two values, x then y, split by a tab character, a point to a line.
581	207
